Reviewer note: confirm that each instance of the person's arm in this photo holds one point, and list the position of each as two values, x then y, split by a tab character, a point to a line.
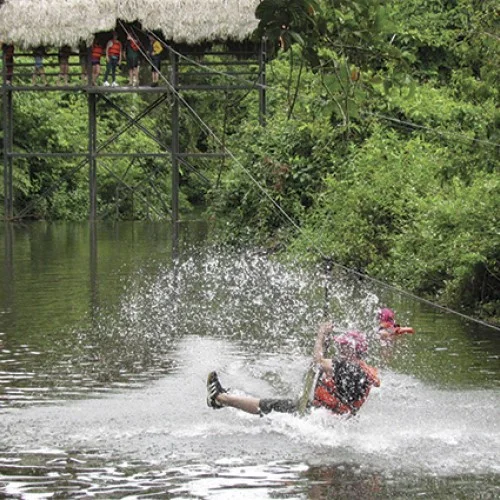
400	330
371	372
323	330
314	372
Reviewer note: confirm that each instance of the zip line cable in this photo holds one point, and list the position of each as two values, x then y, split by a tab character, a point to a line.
298	228
433	130
359	274
205	126
376	115
202	66
412	295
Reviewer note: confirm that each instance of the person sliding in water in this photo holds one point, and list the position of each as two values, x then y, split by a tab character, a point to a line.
342	386
387	325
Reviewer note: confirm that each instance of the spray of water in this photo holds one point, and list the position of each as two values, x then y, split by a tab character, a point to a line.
252	319
263	305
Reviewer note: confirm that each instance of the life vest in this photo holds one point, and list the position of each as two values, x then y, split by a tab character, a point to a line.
114	48
96	52
345	391
133	45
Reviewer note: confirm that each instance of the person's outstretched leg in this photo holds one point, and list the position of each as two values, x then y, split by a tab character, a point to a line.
218	397
245	403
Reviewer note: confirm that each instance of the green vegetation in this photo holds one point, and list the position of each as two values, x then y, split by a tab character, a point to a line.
381	144
56	188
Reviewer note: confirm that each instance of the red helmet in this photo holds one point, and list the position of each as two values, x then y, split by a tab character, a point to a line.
386	315
355	340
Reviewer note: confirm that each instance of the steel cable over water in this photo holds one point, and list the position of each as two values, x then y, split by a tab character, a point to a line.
278	207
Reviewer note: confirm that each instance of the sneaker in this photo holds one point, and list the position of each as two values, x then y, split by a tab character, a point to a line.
213	390
114	84
106	83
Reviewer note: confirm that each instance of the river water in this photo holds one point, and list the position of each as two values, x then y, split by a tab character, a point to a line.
106	342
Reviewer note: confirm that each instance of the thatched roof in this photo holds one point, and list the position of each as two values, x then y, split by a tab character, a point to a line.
30	23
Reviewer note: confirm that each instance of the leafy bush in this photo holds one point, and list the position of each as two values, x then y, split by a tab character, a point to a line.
455	244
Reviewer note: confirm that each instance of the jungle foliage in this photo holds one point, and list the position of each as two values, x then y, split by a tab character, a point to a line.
382	145
380	150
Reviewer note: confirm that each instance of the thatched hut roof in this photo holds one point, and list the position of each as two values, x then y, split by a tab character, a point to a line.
30	23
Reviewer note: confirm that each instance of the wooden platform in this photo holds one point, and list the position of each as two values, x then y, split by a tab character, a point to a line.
90	89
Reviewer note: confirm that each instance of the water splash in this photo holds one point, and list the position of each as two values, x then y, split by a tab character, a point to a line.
144	427
245	296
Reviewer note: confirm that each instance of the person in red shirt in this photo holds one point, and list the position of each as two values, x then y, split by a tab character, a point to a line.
388	328
95	59
113	59
342	386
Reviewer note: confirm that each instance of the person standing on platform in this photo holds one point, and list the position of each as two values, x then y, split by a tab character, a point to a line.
113	59
8	58
95	59
39	70
63	57
83	57
132	56
155	54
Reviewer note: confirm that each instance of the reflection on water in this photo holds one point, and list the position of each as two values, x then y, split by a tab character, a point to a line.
87	475
106	342
163	438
